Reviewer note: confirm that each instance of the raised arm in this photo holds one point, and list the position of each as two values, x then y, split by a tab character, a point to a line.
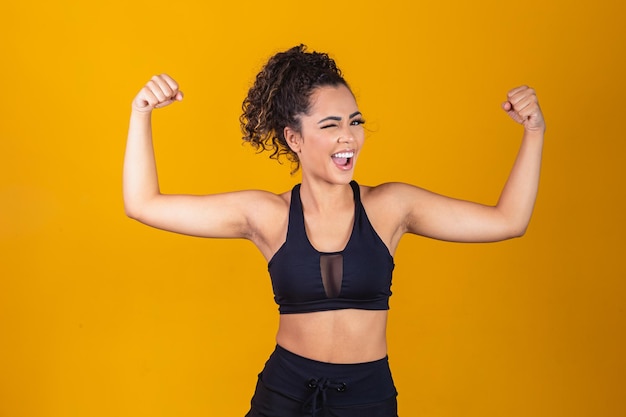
141	183
445	218
228	215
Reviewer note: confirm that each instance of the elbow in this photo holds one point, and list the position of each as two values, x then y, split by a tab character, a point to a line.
517	231
130	203
135	204
513	225
140	209
132	209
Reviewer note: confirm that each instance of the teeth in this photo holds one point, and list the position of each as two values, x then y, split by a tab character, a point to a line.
343	155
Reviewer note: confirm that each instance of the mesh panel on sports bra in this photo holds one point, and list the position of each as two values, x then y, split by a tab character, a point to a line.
331	266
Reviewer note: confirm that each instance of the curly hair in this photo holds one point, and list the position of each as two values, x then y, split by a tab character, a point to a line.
280	94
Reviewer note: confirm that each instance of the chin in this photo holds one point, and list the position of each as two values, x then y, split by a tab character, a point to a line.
344	178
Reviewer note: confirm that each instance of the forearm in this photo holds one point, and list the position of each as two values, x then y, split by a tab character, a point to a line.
518	197
140	173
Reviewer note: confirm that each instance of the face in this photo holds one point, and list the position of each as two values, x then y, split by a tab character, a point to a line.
330	137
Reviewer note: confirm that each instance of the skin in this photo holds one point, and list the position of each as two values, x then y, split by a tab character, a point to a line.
333	125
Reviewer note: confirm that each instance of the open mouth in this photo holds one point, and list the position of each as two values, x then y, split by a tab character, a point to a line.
343	159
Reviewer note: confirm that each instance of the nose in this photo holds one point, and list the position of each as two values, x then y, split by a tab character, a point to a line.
346	137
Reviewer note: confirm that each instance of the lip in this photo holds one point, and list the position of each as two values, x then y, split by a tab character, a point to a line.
348	151
349	155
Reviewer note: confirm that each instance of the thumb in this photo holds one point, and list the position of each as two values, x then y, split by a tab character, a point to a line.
507	106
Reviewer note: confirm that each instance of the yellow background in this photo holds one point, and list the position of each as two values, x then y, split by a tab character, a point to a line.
102	316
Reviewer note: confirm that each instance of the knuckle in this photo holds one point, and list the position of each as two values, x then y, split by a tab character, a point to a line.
146	91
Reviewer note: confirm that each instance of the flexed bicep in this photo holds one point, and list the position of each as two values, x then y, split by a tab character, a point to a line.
444	218
218	215
225	215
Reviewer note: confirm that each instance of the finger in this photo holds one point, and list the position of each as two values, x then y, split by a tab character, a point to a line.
510	110
516	117
523	107
523	98
146	98
163	86
517	90
528	111
163	104
156	89
170	82
527	106
168	86
522	103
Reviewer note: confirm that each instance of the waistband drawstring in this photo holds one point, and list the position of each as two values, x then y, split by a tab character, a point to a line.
319	387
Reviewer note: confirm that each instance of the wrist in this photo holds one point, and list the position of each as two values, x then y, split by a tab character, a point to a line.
140	114
534	135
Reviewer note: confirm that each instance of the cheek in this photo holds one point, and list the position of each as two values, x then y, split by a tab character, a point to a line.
359	136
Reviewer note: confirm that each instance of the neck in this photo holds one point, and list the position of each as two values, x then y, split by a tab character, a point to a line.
323	197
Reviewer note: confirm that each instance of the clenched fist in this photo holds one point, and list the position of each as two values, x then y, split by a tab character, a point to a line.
159	92
523	107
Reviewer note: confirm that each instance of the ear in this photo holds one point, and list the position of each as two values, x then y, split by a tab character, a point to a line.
293	139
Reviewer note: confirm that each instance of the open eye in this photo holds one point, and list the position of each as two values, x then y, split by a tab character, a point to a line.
357	122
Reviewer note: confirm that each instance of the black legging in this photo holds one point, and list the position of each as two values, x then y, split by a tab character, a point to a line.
294	386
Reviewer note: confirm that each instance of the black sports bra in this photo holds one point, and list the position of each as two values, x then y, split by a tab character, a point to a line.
305	280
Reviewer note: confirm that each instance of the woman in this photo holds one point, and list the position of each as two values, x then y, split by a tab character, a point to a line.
329	242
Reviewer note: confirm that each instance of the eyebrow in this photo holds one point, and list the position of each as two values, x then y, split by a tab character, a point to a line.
337	118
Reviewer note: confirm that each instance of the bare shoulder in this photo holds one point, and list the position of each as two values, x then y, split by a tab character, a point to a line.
268	216
264	199
391	193
265	206
403	201
387	206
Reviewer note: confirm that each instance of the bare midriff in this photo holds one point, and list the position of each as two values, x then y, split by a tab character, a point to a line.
336	336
